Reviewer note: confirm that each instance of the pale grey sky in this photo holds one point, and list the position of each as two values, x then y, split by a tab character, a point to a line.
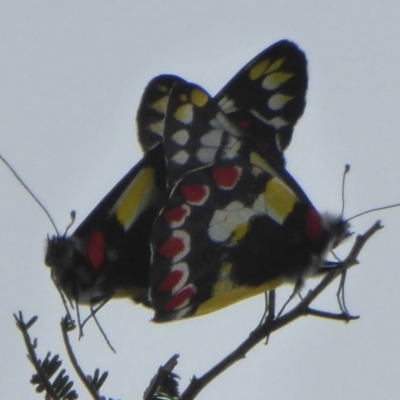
71	76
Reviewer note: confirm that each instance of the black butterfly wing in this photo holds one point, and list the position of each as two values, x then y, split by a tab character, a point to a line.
152	109
111	247
265	99
108	254
267	96
233	226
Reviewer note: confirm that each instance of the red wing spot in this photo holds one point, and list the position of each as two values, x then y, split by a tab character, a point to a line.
176	214
180	299
95	249
244	124
172	247
170	281
266	145
195	194
313	224
226	177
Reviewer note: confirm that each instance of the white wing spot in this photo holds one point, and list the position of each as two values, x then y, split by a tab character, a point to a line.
212	138
157	127
180	157
180	137
206	155
227	105
278	101
277	122
224	222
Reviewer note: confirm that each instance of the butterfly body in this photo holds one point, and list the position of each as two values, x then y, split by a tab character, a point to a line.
210	216
108	254
235	224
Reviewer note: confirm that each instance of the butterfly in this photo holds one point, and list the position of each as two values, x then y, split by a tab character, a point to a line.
109	254
252	99
236	223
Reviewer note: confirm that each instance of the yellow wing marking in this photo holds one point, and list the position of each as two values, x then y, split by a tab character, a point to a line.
136	198
226	292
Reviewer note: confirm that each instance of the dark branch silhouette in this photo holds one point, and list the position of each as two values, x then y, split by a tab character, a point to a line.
271	324
164	384
60	388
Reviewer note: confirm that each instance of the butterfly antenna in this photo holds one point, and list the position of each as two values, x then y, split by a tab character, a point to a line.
73	216
30	192
345	172
373	210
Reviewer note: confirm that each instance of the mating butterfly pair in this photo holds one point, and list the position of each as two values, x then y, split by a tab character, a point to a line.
209	216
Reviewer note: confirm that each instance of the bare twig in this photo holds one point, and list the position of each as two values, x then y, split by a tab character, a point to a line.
271	324
164	384
343	316
65	328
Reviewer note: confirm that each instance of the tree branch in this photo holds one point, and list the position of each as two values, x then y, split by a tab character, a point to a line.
272	324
